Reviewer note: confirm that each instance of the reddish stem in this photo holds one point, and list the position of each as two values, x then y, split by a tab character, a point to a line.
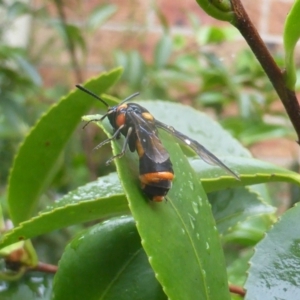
46	268
237	290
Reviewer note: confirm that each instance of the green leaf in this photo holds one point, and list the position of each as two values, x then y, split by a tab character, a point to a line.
163	51
237	270
121	59
96	200
233	206
100	15
179	236
291	36
28	70
69	32
212	98
249	132
106	262
250	170
35	162
220	10
135	69
161	16
249	232
274	268
211	35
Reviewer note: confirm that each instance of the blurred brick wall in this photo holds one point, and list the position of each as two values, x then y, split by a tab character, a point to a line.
135	25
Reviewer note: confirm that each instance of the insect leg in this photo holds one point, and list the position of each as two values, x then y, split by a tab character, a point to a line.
110	139
95	120
124	146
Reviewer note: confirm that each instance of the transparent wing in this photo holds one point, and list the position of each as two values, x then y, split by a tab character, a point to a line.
147	135
206	155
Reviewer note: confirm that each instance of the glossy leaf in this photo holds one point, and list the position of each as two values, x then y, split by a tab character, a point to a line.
237	270
250	170
233	206
107	262
290	38
179	235
35	163
249	232
274	268
96	200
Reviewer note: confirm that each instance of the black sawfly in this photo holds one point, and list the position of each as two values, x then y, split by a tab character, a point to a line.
139	128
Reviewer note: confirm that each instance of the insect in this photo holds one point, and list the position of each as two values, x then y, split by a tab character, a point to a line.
140	130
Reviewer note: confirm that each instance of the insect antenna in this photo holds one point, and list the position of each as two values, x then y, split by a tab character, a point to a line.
129	98
92	94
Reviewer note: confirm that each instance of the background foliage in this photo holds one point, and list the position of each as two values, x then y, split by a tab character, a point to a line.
238	95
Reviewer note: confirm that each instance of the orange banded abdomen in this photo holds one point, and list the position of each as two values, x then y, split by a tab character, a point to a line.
156	178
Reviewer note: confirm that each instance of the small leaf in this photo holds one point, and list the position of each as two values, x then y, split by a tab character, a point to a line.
135	69
291	36
35	162
237	270
274	268
69	32
121	59
220	10
163	51
100	15
210	35
249	232
249	132
233	206
28	69
250	170
106	262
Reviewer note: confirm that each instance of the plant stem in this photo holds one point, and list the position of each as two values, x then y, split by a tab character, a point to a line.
86	141
237	290
276	76
46	268
69	42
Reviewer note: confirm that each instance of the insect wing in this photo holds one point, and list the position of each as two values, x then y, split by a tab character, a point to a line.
147	135
206	155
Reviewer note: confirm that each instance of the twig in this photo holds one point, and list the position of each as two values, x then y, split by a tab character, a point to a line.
46	268
69	42
237	290
276	76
